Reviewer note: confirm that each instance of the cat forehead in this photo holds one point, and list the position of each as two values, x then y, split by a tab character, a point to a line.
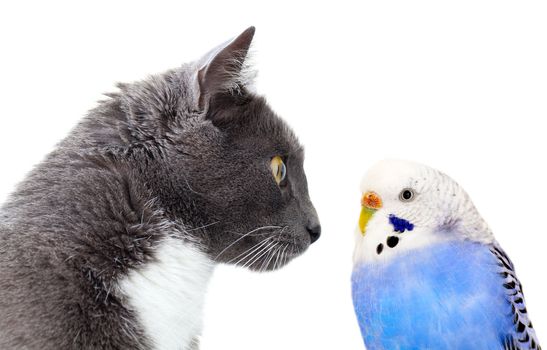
257	122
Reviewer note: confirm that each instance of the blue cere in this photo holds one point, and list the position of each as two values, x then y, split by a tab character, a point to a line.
400	225
445	296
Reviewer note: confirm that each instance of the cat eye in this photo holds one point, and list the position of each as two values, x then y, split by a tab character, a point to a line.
279	170
407	195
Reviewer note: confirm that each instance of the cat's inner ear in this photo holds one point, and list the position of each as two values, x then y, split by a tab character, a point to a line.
223	69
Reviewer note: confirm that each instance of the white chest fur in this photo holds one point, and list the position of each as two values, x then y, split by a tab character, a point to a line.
168	294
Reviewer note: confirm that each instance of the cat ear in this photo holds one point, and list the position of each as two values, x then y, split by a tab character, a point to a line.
222	69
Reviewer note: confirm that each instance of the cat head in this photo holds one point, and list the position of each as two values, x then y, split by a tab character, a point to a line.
219	160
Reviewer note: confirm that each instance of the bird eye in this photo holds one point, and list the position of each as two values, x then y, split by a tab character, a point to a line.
279	170
407	195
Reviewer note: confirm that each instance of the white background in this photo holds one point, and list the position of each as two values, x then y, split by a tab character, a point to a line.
459	85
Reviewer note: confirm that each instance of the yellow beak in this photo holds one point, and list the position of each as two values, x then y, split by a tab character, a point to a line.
370	203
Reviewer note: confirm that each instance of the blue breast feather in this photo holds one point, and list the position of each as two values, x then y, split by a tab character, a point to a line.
446	296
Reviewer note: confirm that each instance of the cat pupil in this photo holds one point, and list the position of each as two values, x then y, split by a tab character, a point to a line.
282	171
279	170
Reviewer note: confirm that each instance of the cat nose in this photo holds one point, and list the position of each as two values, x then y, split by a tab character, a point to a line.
314	229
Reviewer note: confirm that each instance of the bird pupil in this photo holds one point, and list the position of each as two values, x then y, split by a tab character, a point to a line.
407	194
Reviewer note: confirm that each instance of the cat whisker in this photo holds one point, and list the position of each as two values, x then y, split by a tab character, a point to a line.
257	234
249	251
243	236
258	255
268	256
288	254
202	227
283	259
248	257
263	254
190	187
273	253
279	254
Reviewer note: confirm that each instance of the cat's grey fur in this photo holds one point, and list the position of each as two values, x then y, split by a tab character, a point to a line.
184	154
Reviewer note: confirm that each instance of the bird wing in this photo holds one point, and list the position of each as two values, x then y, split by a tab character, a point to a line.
523	336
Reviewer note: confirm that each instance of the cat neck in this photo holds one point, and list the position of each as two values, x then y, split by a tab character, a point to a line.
167	293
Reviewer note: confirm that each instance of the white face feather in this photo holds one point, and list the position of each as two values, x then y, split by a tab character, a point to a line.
439	210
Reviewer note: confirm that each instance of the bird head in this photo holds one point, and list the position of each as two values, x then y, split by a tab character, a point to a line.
405	205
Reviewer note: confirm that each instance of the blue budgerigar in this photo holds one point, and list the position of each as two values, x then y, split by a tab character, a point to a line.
428	273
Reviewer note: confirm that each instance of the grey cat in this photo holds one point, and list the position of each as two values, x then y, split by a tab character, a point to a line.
109	243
